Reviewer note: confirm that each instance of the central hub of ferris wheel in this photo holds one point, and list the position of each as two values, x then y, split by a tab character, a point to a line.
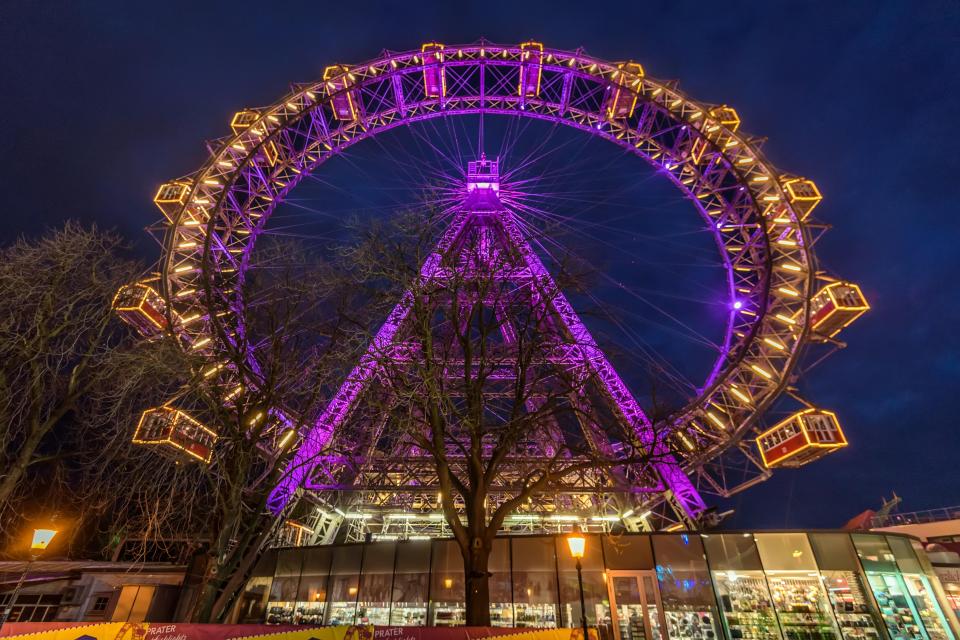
483	175
483	186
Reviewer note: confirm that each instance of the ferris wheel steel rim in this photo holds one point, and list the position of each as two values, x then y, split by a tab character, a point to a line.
232	196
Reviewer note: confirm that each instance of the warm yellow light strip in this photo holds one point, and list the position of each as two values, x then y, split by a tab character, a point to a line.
766	374
739	394
717	421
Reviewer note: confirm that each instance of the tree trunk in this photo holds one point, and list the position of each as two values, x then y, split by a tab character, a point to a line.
475	562
209	592
205	600
225	578
242	567
193	581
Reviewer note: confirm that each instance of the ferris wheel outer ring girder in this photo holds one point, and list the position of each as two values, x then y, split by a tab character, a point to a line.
305	114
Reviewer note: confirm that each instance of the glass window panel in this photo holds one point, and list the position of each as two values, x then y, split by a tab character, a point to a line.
785	552
852	605
252	607
501	589
312	593
686	592
904	554
732	552
266	565
799	596
627	552
595	594
376	584
925	604
875	554
344	584
950	579
682	570
903	607
896	607
918	587
535	582
948	604
447	586
283	591
923	558
741	587
834	551
853	608
410	584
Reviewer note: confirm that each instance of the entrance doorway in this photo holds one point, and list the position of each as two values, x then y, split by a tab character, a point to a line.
635	605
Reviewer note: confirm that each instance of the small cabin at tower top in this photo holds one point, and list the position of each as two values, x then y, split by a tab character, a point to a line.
483	174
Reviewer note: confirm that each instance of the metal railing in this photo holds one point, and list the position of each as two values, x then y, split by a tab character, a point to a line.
915	517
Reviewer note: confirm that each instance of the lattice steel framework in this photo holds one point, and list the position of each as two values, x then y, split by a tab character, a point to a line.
759	216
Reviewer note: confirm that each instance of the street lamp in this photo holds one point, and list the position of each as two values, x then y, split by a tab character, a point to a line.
41	540
578	546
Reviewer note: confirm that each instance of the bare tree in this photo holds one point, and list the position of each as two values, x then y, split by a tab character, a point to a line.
263	386
64	365
74	380
485	387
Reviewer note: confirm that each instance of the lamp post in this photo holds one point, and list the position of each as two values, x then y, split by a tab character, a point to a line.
41	540
578	545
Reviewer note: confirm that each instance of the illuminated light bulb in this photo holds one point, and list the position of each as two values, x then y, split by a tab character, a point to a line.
766	374
577	544
286	438
42	538
774	344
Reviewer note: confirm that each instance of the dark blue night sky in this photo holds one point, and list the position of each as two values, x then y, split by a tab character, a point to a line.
102	101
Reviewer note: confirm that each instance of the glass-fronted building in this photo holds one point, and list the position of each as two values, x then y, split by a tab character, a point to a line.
671	586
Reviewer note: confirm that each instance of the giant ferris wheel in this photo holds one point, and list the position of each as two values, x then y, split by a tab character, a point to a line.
778	303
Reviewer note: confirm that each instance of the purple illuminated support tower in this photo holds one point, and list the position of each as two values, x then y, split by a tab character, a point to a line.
338	409
580	352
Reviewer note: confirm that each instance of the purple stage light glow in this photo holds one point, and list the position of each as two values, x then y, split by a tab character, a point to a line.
737	304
